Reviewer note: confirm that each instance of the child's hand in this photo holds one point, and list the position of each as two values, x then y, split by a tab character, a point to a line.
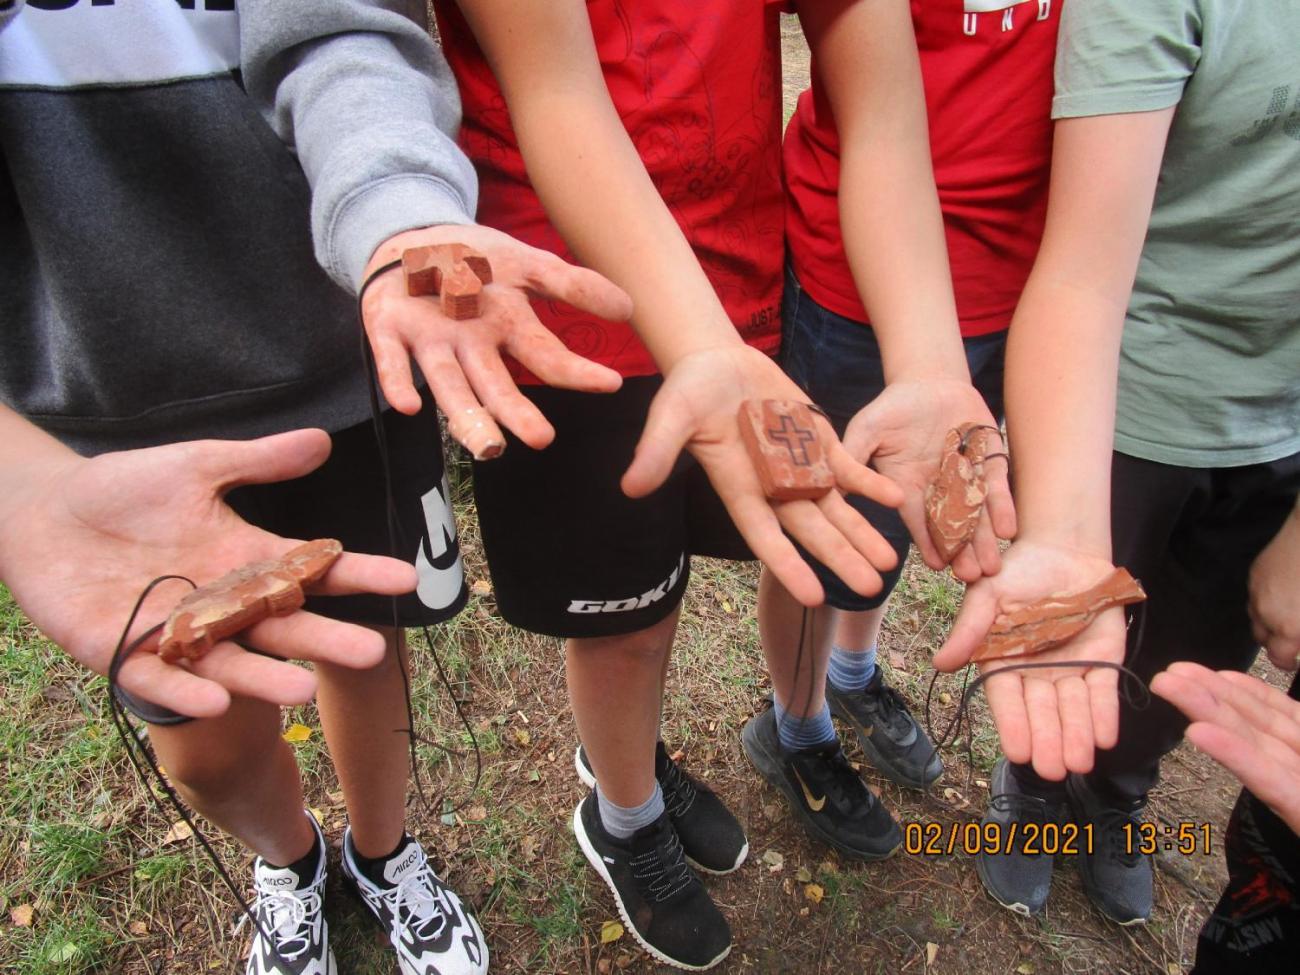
83	538
901	433
697	410
462	360
1275	596
1246	725
1055	718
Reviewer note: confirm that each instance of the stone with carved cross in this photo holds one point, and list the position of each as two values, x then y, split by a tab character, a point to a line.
785	448
457	272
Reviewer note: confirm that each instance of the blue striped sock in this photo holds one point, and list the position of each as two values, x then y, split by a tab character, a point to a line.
796	733
851	670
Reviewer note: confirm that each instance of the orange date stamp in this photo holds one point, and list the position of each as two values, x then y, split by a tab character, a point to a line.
974	839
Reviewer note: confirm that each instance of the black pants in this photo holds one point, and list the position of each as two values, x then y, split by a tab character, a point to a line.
1190	535
1256	925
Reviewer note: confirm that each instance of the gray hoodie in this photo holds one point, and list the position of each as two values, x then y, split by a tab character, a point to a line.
174	175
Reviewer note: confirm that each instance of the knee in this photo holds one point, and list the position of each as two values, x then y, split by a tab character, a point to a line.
213	764
648	646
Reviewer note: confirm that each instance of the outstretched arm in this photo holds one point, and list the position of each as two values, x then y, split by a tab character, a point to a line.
1062	365
366	99
865	55
81	538
597	192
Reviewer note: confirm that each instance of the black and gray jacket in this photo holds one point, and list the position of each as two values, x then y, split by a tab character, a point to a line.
174	175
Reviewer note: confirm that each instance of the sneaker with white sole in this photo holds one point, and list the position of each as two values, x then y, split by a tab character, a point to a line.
425	921
712	837
291	937
660	898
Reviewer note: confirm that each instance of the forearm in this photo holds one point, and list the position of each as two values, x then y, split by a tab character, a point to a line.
367	101
589	176
865	55
1063	353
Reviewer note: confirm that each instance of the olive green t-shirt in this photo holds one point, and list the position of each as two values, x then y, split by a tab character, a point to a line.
1210	362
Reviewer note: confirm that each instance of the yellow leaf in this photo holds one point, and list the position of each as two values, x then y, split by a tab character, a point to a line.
803	875
1024	968
610	932
138	928
296	733
179	833
931	952
726	606
22	915
317	815
522	736
814	893
481	587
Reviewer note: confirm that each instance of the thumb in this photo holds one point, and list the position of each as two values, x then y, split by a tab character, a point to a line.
978	609
281	457
667	430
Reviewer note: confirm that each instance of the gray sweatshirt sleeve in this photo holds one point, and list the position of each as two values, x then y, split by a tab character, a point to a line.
363	95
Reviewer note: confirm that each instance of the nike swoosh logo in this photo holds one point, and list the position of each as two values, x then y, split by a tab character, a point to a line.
814	804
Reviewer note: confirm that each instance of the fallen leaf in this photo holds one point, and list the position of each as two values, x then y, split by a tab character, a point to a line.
677	756
448	819
1024	968
931	951
897	660
828	866
604	965
317	815
945	697
22	915
528	848
772	812
814	893
64	953
775	861
179	833
610	932
138	928
522	736
296	733
803	875
476	814
726	606
481	587
534	776
803	912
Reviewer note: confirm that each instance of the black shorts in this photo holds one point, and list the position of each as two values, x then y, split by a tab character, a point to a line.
838	363
570	554
344	499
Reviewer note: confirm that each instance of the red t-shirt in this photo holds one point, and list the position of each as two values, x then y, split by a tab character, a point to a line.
698	86
987	66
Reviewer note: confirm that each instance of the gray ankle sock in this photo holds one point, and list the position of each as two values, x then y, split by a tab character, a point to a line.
621	822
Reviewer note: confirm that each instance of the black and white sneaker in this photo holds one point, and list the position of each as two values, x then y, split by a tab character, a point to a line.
713	839
824	793
659	896
291	937
425	921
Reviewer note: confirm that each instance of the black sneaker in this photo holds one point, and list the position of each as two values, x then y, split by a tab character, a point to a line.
659	896
425	921
291	937
824	792
712	838
1116	876
1017	880
891	739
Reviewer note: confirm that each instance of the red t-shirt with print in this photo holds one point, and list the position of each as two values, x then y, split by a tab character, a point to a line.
698	86
987	66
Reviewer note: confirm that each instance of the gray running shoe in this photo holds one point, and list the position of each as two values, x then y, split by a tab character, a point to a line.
890	737
1015	879
1117	878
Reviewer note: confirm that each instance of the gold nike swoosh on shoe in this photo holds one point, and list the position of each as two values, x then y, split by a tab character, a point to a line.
814	804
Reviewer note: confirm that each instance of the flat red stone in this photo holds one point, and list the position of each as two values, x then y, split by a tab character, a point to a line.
786	450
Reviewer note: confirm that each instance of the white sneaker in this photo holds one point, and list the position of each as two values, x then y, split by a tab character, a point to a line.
292	937
428	926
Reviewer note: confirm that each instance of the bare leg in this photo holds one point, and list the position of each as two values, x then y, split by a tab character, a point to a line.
615	687
363	715
782	627
238	772
858	632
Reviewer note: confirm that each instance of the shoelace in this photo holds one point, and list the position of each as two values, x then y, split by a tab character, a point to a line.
1110	831
292	918
679	791
892	710
1007	802
416	895
843	784
663	868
